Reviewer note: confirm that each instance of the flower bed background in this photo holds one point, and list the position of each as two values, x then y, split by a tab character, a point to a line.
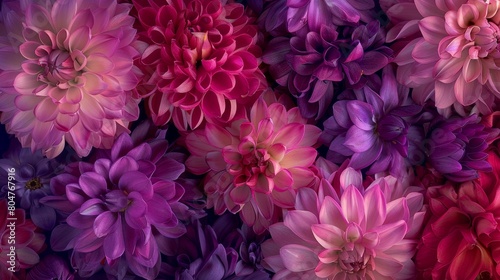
209	139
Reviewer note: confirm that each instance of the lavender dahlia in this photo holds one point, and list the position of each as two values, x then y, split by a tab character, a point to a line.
66	72
115	205
32	182
371	128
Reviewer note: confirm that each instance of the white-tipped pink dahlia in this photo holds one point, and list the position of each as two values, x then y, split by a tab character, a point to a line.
201	59
66	73
255	165
451	52
347	233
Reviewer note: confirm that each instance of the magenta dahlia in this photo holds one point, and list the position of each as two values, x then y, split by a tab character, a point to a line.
348	233
115	207
450	52
66	71
255	165
202	60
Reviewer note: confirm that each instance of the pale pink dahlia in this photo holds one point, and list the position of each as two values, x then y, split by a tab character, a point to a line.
255	165
348	233
201	59
66	72
453	56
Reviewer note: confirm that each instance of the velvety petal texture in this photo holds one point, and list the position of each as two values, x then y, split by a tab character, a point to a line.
345	231
201	61
256	165
115	205
74	73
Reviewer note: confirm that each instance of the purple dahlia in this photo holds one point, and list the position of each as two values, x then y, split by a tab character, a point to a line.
115	206
33	172
372	128
456	147
314	64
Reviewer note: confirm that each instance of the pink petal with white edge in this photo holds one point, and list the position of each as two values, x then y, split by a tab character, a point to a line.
290	135
375	207
391	234
331	214
298	258
432	29
387	266
217	136
467	93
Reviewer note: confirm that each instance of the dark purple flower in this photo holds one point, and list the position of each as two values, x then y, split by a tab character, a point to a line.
33	172
197	255
456	147
311	14
51	267
116	205
372	128
314	64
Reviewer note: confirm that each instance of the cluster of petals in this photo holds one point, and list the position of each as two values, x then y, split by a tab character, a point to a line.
448	52
33	172
116	205
345	231
372	128
200	58
256	164
312	65
456	147
461	240
67	73
28	241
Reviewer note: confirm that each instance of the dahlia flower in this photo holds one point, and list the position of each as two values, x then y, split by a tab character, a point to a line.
461	239
202	60
33	174
456	147
314	64
311	14
28	241
449	52
255	165
198	255
373	128
51	267
115	205
66	72
348	233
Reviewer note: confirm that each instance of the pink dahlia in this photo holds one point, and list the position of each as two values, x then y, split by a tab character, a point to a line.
255	165
462	238
116	206
28	242
66	72
349	233
454	55
202	60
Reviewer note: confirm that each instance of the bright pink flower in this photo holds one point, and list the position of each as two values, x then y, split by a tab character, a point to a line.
453	57
255	165
66	73
348	233
462	238
201	57
28	242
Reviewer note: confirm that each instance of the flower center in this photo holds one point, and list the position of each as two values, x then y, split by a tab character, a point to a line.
33	184
351	261
57	68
